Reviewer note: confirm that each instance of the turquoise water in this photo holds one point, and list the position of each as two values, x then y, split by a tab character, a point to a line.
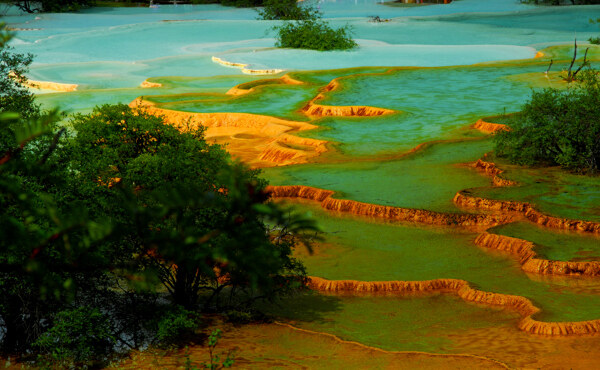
180	40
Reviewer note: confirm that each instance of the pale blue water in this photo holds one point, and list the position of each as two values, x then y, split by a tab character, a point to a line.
463	32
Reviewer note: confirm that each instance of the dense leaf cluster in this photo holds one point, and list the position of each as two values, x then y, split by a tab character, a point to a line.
557	127
314	35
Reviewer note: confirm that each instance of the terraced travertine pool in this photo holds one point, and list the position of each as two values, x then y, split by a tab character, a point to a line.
386	130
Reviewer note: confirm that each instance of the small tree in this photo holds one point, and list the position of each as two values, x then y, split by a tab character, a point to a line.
314	35
200	220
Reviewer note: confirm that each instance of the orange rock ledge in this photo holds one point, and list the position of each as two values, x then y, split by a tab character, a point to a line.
48	85
528	258
488	127
242	90
523	306
464	199
260	141
385	212
317	110
490	169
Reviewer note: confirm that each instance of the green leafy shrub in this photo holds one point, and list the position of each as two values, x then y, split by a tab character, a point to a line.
557	127
240	316
79	337
314	35
175	326
287	10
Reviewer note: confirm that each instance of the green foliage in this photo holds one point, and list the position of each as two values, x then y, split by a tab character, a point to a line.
40	244
119	145
238	317
187	229
79	337
174	326
215	362
314	35
246	315
557	128
287	10
14	96
198	227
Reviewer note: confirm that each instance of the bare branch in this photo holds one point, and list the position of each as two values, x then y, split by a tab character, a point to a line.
550	66
569	75
585	62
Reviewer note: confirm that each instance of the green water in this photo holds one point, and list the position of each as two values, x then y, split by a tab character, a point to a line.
275	100
392	323
434	102
551	191
554	244
427	179
362	249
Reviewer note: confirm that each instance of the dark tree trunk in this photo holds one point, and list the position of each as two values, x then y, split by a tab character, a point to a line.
183	292
15	336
